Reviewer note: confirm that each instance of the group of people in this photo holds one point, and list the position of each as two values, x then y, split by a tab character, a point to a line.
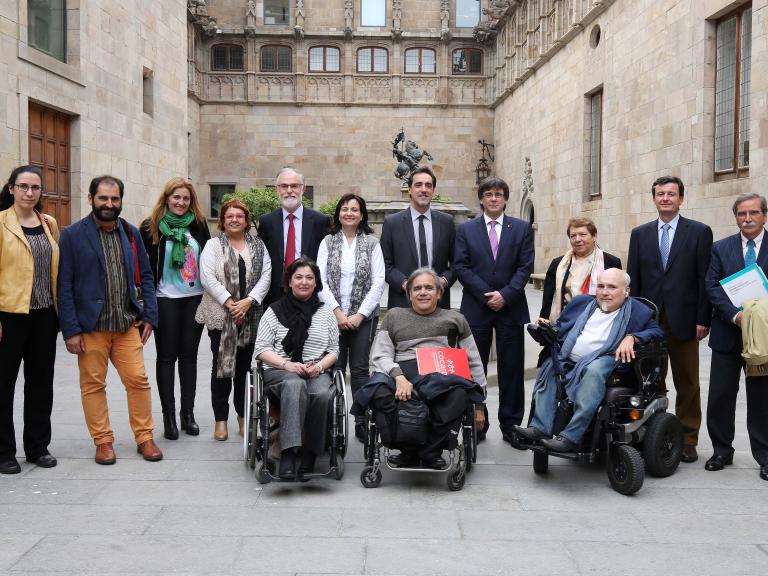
302	296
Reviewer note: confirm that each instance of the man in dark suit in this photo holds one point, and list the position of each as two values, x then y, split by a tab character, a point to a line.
667	261
730	255
418	237
493	260
291	231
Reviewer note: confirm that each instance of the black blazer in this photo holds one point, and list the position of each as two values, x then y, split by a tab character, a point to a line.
679	290
610	261
398	244
727	259
156	252
314	227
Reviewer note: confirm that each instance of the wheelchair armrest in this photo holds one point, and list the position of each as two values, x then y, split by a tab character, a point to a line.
544	334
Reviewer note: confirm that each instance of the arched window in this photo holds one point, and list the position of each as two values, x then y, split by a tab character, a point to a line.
420	61
467	61
276	59
371	60
324	59
227	57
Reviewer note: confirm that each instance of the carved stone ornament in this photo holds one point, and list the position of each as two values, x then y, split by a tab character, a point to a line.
200	11
349	19
397	16
445	20
298	29
250	17
527	190
485	31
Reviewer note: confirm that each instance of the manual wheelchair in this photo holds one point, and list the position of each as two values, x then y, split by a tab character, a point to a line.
262	423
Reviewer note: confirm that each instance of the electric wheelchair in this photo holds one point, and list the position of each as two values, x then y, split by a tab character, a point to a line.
262	424
631	429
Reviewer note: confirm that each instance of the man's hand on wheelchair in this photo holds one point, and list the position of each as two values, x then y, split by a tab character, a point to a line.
403	388
541	321
479	418
626	351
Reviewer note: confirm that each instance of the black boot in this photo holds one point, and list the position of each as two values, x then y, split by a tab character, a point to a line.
187	419
307	463
169	423
287	470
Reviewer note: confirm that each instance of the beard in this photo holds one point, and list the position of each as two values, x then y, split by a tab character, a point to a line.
105	214
290	204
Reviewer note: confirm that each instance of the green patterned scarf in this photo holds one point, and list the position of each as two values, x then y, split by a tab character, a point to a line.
175	228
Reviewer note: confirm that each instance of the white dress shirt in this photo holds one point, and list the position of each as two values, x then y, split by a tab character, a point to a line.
673	226
499	224
758	242
297	219
427	232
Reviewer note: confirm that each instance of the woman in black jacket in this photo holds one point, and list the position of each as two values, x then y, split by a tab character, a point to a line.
174	236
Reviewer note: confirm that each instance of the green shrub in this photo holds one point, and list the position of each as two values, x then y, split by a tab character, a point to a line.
260	200
329	208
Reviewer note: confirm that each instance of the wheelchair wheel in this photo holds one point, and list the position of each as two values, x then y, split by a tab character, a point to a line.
339	467
540	462
250	437
342	426
262	476
626	470
456	479
369	479
663	444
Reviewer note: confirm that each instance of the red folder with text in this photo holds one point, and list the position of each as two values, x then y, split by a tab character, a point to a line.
447	361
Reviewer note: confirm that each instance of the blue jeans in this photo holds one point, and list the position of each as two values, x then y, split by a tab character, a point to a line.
586	397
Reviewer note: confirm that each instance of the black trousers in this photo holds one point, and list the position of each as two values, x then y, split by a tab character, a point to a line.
30	338
355	348
221	387
724	375
177	339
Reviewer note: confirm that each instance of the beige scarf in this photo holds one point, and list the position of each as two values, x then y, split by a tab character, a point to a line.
575	276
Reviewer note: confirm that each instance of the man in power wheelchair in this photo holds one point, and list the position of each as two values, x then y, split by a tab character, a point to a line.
297	345
421	414
595	368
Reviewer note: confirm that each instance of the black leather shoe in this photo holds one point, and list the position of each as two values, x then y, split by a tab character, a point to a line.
307	463
44	461
187	421
559	444
170	429
403	460
512	440
436	463
718	462
764	472
287	470
530	433
360	431
10	466
689	453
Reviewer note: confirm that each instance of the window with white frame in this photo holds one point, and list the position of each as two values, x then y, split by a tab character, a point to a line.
420	61
371	60
324	59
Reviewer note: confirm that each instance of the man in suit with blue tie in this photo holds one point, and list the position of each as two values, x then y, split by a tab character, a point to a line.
667	261
730	255
493	259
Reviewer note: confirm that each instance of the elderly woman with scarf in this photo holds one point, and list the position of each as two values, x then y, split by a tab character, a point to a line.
173	236
298	342
235	269
352	270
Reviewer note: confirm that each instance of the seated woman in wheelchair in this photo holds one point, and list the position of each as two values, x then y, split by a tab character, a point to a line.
298	342
393	361
596	335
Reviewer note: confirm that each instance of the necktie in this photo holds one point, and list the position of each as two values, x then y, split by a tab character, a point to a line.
423	254
664	245
750	257
493	237
290	243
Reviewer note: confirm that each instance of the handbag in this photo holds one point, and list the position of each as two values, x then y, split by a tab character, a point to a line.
412	422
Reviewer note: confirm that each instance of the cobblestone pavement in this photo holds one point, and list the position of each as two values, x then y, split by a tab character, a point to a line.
200	511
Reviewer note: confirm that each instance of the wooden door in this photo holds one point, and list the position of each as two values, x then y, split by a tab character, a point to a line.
49	150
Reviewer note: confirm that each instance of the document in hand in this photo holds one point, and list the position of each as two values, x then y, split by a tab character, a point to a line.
747	284
446	361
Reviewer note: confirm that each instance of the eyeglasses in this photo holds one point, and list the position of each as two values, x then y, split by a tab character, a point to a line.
488	195
285	187
24	188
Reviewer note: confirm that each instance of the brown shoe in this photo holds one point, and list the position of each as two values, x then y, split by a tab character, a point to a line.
149	451
105	454
240	423
689	453
220	431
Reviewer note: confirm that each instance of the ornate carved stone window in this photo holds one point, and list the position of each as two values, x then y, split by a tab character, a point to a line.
276	59
467	61
48	27
373	12
420	61
732	87
277	12
467	13
227	57
371	60
324	59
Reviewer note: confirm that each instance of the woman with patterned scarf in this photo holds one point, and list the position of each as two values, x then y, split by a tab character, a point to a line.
352	270
173	236
235	269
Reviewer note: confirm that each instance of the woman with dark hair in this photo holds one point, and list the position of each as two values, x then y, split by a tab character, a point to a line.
298	342
174	236
29	264
235	269
352	271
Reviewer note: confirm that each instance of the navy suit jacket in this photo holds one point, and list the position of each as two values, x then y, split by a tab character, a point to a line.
82	280
727	258
401	257
314	227
479	273
679	289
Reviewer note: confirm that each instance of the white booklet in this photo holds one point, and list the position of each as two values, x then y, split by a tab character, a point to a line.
747	284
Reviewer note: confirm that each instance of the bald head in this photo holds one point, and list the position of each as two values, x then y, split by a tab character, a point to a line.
612	289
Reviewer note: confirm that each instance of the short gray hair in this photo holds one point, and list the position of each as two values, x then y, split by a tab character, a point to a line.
286	170
419	272
627	280
750	196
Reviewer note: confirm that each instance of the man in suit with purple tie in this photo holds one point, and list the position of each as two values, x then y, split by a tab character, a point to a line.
730	255
493	259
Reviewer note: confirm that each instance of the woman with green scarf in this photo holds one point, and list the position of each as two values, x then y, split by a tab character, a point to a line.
174	236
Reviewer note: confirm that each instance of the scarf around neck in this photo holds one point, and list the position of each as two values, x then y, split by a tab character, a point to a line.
175	229
361	285
296	315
